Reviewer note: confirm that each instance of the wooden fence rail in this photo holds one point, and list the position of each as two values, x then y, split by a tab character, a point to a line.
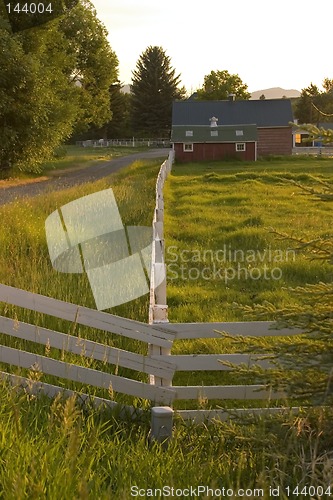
182	331
158	309
125	142
159	363
86	348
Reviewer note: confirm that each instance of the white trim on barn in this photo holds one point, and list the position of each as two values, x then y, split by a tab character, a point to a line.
188	147
240	146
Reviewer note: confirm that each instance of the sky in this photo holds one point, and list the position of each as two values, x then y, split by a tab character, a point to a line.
268	43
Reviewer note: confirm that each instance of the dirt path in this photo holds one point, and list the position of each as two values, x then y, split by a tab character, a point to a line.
69	179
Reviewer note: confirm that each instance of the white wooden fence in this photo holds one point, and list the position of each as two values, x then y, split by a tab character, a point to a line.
201	362
83	347
158	309
313	151
129	142
159	364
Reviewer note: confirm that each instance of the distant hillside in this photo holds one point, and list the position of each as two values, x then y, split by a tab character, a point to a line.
275	93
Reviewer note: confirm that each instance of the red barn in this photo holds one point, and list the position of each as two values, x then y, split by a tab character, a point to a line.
213	130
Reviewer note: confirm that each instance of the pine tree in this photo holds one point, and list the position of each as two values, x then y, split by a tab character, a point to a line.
313	105
154	87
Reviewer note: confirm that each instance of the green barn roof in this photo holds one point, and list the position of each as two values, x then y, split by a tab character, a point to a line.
224	133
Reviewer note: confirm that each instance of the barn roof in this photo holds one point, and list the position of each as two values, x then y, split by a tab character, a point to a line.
226	133
263	113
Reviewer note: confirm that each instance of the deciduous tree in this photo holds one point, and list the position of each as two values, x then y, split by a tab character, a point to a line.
37	103
219	84
94	63
54	78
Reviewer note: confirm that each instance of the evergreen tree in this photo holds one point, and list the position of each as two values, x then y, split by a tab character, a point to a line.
219	84
315	106
154	86
119	126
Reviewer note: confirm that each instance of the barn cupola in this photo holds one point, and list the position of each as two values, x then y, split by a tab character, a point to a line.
213	121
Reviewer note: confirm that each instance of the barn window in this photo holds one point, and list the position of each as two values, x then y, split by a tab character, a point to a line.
188	147
239	132
214	133
189	133
240	146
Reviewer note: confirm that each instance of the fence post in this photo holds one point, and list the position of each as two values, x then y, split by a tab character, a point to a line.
158	309
161	425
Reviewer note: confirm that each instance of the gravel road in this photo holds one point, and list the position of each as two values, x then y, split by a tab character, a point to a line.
87	174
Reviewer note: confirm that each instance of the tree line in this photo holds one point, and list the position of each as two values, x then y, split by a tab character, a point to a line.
59	82
54	80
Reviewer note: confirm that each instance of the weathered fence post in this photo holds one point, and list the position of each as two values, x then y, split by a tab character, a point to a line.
161	424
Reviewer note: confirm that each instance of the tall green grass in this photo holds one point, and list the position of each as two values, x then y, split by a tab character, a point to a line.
25	264
223	216
54	449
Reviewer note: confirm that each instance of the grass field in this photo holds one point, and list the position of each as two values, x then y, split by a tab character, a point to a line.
225	215
222	251
25	242
55	450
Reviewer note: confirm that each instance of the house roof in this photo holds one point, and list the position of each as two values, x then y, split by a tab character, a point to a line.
326	125
202	133
264	113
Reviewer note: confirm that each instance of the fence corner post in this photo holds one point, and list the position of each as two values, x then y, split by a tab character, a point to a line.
161	416
161	425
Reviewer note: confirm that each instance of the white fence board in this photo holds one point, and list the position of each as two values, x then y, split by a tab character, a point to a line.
158	310
85	316
84	375
159	364
199	416
197	362
35	388
244	328
86	348
226	392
